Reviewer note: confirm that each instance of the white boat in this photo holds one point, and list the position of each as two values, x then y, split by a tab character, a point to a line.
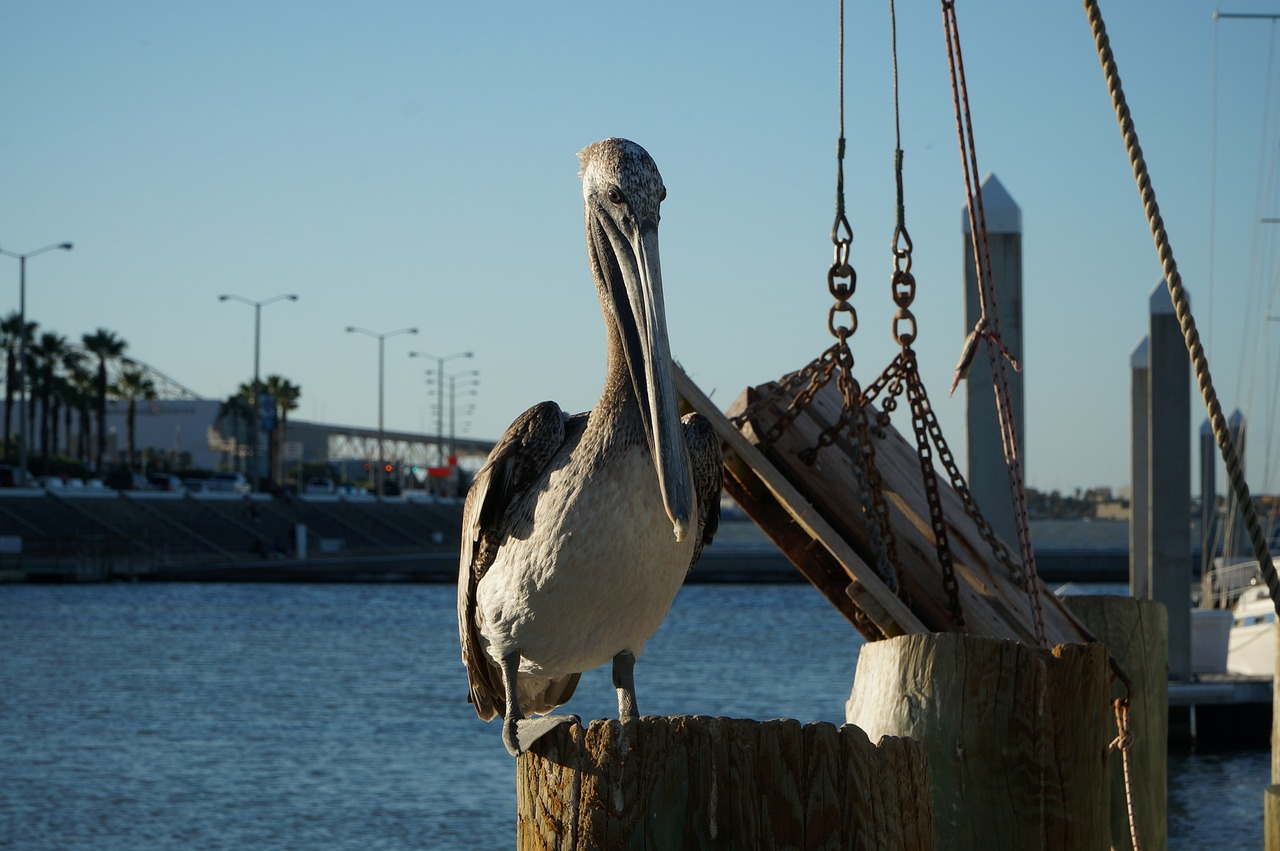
1251	647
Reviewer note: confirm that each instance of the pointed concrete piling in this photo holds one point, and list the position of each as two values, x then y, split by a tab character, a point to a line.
1208	494
1139	502
987	471
1169	476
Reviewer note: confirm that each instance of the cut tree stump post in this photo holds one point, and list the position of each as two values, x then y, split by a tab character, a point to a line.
1135	632
693	782
1016	737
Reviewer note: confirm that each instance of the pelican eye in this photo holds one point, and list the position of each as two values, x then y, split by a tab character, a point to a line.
615	196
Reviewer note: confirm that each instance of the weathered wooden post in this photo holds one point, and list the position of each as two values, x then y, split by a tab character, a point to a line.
692	782
1016	736
1135	632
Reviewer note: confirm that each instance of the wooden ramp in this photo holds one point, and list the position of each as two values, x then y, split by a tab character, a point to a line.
813	514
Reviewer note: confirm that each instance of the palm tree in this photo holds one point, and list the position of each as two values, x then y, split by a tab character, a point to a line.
285	395
235	412
134	385
47	356
66	393
81	399
9	334
106	346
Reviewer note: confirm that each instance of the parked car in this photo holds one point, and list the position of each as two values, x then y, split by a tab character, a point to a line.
75	484
12	477
165	482
94	485
51	483
227	483
126	480
320	486
193	485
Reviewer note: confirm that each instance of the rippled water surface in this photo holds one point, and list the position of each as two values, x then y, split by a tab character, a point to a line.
334	717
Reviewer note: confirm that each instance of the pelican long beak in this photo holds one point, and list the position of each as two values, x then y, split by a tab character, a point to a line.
642	323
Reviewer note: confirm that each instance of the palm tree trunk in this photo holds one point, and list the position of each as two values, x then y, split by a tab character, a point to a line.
10	385
102	414
129	427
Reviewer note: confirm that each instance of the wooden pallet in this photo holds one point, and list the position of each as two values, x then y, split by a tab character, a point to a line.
813	514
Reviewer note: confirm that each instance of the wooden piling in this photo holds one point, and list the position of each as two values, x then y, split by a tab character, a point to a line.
1135	633
1016	737
695	782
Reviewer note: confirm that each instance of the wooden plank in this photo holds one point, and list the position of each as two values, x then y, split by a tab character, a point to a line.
773	485
993	602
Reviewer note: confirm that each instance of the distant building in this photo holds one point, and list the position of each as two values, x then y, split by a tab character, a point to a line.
170	428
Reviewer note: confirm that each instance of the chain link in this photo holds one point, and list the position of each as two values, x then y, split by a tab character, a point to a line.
920	414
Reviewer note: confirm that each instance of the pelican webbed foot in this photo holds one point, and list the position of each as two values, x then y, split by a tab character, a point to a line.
519	734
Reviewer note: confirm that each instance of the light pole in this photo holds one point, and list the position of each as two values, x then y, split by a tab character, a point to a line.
469	387
22	346
441	461
257	347
381	338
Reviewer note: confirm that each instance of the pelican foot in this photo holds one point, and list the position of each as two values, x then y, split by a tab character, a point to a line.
519	734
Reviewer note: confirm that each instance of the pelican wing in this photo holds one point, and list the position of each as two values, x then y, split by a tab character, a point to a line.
512	467
707	464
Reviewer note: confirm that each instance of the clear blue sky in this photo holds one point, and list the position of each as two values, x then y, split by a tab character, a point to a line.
402	163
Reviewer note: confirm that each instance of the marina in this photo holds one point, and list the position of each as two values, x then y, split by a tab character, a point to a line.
885	631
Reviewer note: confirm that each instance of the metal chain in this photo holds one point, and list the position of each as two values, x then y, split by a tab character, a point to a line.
870	485
904	283
921	416
812	376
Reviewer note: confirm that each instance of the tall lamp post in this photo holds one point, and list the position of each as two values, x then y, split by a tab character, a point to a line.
22	346
382	339
442	460
469	384
257	390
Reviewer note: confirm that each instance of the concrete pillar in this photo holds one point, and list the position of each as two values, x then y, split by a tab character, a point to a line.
1139	423
987	472
1236	545
1208	494
1169	477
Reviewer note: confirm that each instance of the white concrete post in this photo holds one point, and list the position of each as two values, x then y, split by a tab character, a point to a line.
1169	477
1208	494
987	472
1139	423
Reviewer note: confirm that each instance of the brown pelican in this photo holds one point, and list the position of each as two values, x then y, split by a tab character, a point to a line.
579	530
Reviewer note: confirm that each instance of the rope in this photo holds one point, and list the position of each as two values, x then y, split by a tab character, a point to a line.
1181	306
989	324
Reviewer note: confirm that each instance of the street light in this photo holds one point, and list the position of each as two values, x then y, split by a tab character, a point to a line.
257	346
22	346
440	362
469	385
381	338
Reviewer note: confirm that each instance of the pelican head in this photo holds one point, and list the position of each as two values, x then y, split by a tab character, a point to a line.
622	191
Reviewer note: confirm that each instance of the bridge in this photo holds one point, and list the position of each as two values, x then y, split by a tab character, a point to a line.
335	442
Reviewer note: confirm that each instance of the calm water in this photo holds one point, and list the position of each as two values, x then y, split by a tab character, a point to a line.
333	717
